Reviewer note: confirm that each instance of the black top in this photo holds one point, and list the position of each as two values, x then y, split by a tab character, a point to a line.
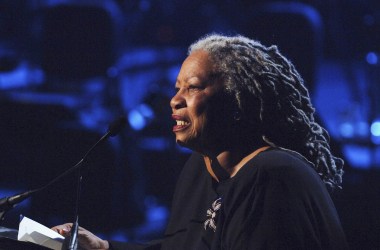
275	201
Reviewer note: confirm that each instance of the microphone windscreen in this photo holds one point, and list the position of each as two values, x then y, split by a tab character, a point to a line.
116	126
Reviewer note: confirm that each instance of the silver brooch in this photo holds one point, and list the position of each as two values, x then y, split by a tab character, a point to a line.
211	214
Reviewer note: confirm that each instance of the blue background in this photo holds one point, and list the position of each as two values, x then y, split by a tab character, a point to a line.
68	68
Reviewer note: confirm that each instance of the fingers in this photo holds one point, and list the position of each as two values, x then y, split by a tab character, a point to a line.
63	229
87	240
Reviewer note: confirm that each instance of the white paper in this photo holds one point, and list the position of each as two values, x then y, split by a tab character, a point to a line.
32	231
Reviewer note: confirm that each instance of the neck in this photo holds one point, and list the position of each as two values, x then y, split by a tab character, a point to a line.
227	163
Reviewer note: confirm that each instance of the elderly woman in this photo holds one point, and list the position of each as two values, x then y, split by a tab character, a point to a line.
261	168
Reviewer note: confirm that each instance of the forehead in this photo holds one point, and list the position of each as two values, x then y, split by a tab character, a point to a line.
196	66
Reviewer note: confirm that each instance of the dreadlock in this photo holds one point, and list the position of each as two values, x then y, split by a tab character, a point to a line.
270	95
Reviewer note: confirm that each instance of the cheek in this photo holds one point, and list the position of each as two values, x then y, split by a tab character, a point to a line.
200	125
198	117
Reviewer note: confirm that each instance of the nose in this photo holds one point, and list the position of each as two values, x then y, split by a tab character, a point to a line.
177	101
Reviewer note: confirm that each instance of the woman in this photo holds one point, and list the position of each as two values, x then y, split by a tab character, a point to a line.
261	165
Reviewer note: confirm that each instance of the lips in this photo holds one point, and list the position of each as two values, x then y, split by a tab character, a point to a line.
181	123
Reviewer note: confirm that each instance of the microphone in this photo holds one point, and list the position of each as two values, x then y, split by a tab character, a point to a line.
8	203
116	126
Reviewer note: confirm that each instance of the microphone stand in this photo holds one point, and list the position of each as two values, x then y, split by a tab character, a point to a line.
73	239
73	243
113	129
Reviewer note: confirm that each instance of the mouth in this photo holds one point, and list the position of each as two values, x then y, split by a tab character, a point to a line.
181	123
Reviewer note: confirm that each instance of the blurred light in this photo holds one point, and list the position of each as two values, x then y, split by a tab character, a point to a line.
375	132
155	211
375	139
136	120
41	98
358	156
172	73
145	5
183	149
375	128
155	143
372	58
369	20
139	117
112	72
156	216
22	76
346	130
117	236
362	129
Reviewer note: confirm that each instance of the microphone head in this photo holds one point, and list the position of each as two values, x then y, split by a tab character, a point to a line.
116	126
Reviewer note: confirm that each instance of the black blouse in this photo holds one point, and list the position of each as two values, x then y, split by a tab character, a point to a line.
275	201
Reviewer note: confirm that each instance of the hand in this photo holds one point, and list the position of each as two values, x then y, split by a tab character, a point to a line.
86	239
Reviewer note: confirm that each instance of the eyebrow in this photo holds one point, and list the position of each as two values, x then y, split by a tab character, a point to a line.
187	79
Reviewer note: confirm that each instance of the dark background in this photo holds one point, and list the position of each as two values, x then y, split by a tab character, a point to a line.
68	68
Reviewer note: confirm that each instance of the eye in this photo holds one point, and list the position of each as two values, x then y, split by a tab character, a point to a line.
194	88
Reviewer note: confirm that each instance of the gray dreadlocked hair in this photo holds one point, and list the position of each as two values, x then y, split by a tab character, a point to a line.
270	94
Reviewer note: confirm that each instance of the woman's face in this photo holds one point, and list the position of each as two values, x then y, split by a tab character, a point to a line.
196	103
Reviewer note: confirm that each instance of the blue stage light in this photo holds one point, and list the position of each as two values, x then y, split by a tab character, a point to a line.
375	128
346	130
372	58
139	117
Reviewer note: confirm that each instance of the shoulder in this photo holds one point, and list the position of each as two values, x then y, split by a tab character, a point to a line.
276	157
285	166
279	159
